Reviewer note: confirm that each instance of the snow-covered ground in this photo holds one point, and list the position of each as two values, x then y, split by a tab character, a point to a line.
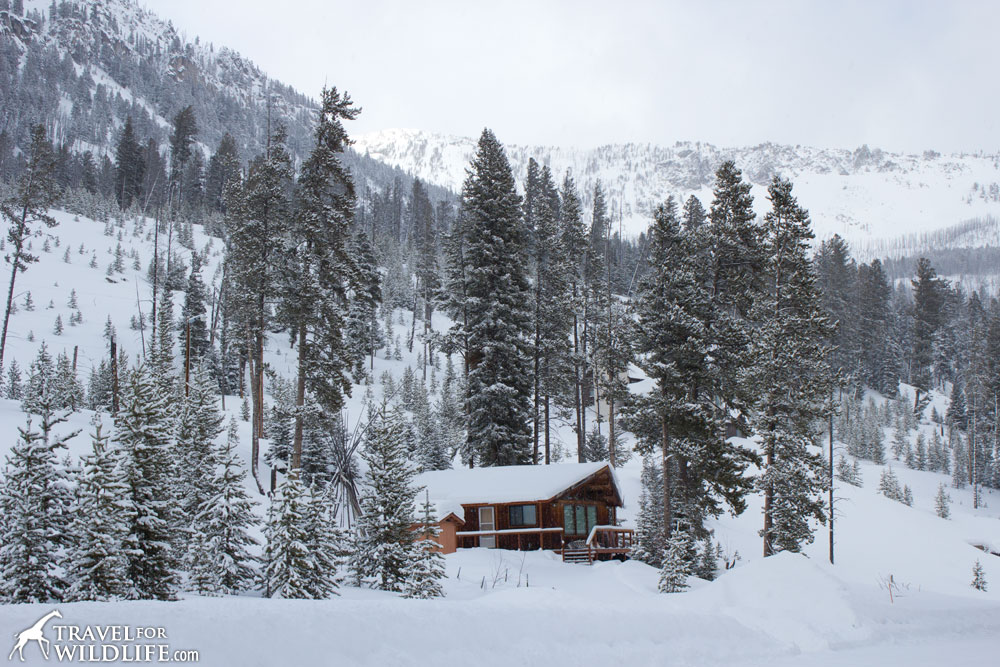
506	608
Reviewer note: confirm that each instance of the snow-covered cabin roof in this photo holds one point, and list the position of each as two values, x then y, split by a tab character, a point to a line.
450	489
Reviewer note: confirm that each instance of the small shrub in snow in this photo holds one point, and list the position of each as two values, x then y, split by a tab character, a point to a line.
29	305
978	577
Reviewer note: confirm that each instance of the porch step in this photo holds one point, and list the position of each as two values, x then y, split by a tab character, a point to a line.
576	556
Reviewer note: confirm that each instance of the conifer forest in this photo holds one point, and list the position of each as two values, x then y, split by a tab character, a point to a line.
643	403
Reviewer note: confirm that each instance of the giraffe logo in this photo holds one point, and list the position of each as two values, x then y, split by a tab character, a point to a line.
37	633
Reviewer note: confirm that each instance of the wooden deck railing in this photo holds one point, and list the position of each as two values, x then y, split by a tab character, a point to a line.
610	541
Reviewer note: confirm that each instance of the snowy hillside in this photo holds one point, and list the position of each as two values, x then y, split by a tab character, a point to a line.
862	195
785	610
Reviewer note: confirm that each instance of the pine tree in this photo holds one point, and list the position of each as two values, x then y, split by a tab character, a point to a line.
888	485
385	541
790	368
425	571
129	166
649	538
221	562
907	498
942	503
194	313
35	505
27	208
978	577
288	565
258	211
676	566
498	301
13	387
327	545
707	561
199	425
928	297
677	348
316	275
143	433
97	564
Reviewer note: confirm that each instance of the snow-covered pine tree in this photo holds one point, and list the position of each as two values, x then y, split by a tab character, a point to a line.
978	577
199	424
68	389
676	564
384	544
317	266
257	211
327	545
888	485
41	384
364	335
221	562
497	306
97	566
26	210
676	343
425	570
708	562
790	371
35	503
551	303
649	542
942	503
288	564
194	314
143	432
907	498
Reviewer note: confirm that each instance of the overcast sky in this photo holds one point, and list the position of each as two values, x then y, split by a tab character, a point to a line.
903	75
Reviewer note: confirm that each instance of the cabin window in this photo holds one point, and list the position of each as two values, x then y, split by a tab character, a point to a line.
579	519
523	515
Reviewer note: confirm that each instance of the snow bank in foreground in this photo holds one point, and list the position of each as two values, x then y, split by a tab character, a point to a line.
508	608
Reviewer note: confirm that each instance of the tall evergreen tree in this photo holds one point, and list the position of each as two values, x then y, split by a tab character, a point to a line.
384	545
498	307
288	565
928	299
258	212
130	166
26	209
790	366
97	564
320	266
678	349
221	562
426	569
144	435
34	503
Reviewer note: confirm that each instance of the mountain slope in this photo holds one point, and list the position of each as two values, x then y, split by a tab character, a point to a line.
862	194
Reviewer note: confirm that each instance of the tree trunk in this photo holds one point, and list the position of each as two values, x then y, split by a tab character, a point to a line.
300	401
668	513
612	454
548	453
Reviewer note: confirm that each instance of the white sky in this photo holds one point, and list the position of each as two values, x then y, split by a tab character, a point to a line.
902	75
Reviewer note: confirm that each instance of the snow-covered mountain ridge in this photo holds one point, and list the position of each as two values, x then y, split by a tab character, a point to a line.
863	194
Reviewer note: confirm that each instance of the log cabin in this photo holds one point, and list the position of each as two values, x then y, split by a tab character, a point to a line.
570	508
